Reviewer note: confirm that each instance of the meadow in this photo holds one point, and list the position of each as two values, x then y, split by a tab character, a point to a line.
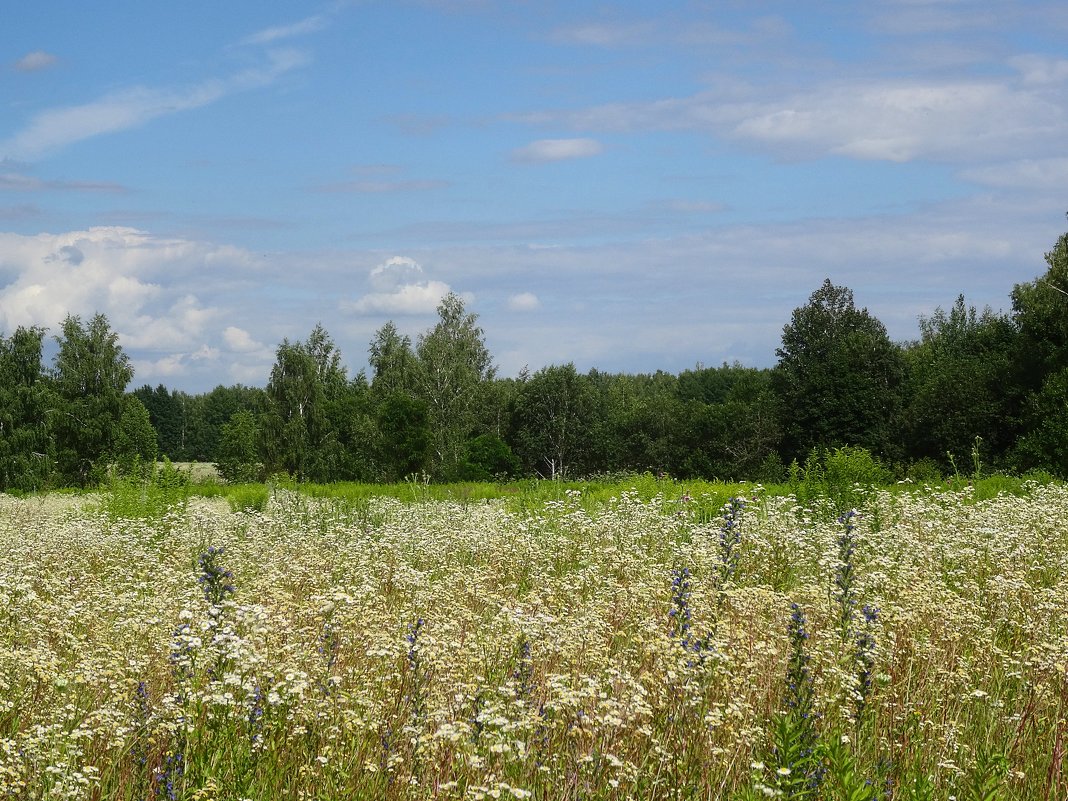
665	641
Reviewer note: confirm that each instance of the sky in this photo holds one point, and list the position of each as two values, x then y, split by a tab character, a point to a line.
628	186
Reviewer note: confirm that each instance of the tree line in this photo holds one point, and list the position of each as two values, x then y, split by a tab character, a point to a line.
977	386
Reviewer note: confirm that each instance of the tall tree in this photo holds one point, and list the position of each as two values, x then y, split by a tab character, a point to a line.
393	363
839	376
167	414
404	436
90	374
204	416
454	365
135	447
299	428
638	422
25	439
1040	310
239	453
554	412
738	435
960	377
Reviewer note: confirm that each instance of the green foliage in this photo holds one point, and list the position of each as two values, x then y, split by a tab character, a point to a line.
239	453
146	493
134	449
924	471
638	425
793	764
248	497
845	780
89	376
1040	311
839	376
404	436
843	478
167	413
393	364
1046	442
960	383
26	447
739	434
984	781
489	459
308	410
552	418
454	363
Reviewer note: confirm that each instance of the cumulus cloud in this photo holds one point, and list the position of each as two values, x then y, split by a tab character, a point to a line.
400	288
126	274
395	273
557	150
524	301
35	61
239	340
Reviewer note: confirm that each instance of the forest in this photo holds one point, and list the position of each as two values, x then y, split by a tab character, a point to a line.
976	391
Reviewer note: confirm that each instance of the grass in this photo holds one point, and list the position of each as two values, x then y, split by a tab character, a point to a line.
609	640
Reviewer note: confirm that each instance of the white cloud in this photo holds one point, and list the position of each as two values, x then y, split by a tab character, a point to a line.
524	301
394	273
57	128
239	340
900	121
35	61
400	288
947	119
18	182
605	34
670	32
557	150
121	272
421	298
365	187
271	35
1041	70
1033	174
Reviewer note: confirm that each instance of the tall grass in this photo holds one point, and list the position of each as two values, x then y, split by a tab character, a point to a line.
659	642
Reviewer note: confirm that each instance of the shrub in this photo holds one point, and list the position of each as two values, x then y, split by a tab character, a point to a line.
489	458
842	479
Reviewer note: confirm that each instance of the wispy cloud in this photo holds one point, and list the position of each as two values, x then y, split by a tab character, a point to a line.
57	128
274	34
369	187
24	211
620	33
951	120
605	34
557	150
1048	174
17	182
36	61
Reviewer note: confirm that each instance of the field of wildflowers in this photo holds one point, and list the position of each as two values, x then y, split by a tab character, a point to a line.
639	649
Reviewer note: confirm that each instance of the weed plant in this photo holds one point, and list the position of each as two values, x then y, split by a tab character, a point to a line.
337	645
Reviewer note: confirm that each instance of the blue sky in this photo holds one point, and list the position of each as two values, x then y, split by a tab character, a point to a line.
630	186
